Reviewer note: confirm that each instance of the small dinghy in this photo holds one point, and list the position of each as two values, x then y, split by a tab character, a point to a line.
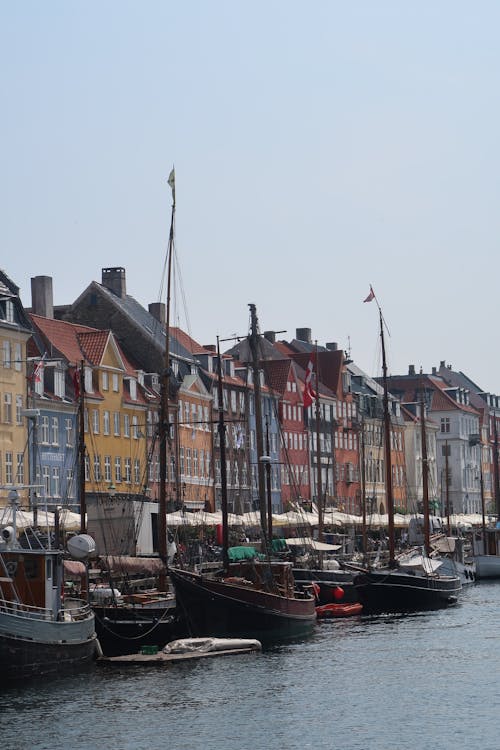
338	610
185	649
190	645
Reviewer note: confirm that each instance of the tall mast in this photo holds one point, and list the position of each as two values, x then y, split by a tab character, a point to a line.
319	484
425	475
253	341
223	470
164	424
387	436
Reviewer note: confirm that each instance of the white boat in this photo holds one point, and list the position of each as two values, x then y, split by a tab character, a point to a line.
190	645
40	633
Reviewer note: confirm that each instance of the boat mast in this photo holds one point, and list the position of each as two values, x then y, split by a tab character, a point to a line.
223	469
319	484
164	423
425	475
253	341
387	436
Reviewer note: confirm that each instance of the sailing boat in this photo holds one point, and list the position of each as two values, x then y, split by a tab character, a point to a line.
40	632
410	583
332	584
253	597
127	621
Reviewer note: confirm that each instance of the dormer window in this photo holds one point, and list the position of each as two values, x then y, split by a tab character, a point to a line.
133	390
88	380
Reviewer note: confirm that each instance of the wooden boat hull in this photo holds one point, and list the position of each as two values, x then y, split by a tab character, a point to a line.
215	607
397	591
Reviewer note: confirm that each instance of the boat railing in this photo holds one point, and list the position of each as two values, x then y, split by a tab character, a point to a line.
25	610
75	609
79	610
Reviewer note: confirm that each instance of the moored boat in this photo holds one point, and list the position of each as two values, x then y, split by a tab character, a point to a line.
40	632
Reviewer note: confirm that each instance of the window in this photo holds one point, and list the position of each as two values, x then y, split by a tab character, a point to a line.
56	481
68	428
55	430
135	430
95	421
128	470
97	468
44	433
20	468
19	408
133	390
118	469
188	462
9	311
116	423
445	424
88	380
46	480
105	423
6	354
116	385
126	425
107	468
181	459
70	483
8	467
59	385
86	420
105	381
137	471
87	469
7	408
18	357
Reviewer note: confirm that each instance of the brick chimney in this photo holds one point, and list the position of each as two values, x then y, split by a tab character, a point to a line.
114	280
270	336
42	300
411	369
332	346
158	311
303	334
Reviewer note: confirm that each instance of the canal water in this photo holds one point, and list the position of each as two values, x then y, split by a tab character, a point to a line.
417	682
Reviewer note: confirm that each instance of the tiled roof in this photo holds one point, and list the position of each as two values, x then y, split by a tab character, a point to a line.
188	343
61	337
329	366
277	373
93	345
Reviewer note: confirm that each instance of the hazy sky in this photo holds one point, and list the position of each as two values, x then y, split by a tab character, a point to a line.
319	147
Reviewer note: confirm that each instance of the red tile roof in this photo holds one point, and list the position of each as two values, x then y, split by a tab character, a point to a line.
62	337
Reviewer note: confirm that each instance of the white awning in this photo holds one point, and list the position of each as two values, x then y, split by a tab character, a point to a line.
319	546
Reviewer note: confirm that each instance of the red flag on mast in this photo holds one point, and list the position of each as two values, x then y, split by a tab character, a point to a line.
309	393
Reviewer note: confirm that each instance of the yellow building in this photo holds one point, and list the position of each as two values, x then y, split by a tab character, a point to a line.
14	335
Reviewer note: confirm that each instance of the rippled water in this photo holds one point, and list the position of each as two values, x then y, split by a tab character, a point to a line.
427	681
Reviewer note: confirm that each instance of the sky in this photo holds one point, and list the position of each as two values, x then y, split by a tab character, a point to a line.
319	148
